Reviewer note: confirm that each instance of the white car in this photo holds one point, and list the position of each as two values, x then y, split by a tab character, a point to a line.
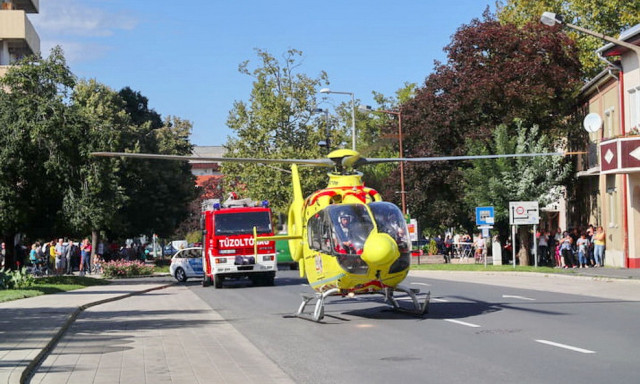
187	263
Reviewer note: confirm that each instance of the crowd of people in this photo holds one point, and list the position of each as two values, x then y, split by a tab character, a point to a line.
63	257
572	249
576	248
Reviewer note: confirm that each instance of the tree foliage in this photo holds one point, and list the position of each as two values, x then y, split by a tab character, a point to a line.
95	192
609	17
50	186
496	182
37	136
276	122
495	73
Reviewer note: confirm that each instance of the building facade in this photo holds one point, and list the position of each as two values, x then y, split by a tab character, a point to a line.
611	170
18	37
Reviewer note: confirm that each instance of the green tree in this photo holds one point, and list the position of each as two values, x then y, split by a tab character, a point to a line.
495	73
378	137
609	17
159	191
276	122
37	134
496	182
96	192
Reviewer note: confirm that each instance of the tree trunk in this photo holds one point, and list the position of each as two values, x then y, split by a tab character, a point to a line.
525	245
94	243
9	251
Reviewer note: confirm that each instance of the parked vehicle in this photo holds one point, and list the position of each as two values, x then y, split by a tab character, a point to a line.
187	263
229	250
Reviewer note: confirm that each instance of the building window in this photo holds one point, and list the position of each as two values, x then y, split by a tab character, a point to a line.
608	122
611	195
634	108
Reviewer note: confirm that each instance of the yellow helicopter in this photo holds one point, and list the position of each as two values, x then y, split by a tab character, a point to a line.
345	239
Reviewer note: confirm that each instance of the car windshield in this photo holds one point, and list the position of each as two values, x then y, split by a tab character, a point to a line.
242	223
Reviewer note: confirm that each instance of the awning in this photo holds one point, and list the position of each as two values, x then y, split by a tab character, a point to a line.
594	171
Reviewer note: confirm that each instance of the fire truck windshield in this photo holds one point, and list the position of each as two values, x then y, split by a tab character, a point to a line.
242	223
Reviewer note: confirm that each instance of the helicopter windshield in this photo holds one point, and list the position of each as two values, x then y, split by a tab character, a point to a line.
389	220
351	227
341	230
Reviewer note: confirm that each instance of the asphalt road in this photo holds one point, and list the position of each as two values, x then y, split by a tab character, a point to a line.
474	333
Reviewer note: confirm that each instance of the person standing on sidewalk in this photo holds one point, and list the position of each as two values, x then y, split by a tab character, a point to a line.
583	247
70	253
599	239
566	250
61	256
85	255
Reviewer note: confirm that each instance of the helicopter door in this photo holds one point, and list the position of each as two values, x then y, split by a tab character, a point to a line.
319	233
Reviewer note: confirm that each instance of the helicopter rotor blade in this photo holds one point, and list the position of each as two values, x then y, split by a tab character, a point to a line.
308	162
364	161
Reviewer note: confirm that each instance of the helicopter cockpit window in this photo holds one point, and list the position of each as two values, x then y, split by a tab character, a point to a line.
351	225
319	231
389	220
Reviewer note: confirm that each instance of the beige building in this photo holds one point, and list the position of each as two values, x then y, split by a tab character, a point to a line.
18	38
610	173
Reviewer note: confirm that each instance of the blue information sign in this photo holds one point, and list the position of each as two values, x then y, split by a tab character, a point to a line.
485	216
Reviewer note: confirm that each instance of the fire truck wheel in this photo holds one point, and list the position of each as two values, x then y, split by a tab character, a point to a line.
181	276
217	281
206	282
269	281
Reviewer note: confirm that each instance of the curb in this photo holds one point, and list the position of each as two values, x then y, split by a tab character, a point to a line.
30	369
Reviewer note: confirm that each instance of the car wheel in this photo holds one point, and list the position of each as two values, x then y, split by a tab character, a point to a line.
217	281
181	276
206	282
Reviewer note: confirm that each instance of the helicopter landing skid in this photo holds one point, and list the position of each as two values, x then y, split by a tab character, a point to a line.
419	309
318	312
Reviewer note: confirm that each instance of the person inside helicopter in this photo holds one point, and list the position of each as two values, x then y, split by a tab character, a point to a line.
351	226
343	234
389	220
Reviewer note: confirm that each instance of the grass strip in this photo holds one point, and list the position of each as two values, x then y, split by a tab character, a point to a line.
50	285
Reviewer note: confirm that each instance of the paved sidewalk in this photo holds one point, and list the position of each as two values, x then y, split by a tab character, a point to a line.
140	332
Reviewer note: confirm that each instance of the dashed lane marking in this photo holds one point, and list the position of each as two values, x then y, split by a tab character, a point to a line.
439	300
463	323
565	346
425	284
517	297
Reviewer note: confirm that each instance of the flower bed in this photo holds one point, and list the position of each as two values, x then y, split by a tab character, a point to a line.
123	268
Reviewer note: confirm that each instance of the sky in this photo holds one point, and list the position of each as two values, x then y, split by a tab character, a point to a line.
184	55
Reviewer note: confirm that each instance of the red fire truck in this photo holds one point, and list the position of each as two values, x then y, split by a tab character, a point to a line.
228	249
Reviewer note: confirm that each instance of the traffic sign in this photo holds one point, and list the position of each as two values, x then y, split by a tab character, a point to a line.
485	216
523	212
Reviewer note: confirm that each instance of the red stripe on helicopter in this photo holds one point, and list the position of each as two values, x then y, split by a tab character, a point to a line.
329	193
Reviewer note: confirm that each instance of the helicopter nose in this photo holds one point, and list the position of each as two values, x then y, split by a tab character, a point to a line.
379	250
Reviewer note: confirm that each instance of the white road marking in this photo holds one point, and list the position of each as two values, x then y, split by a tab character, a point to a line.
425	284
439	300
463	323
569	347
517	297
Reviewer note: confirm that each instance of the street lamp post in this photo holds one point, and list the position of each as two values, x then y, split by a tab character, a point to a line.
327	142
353	112
399	114
551	19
